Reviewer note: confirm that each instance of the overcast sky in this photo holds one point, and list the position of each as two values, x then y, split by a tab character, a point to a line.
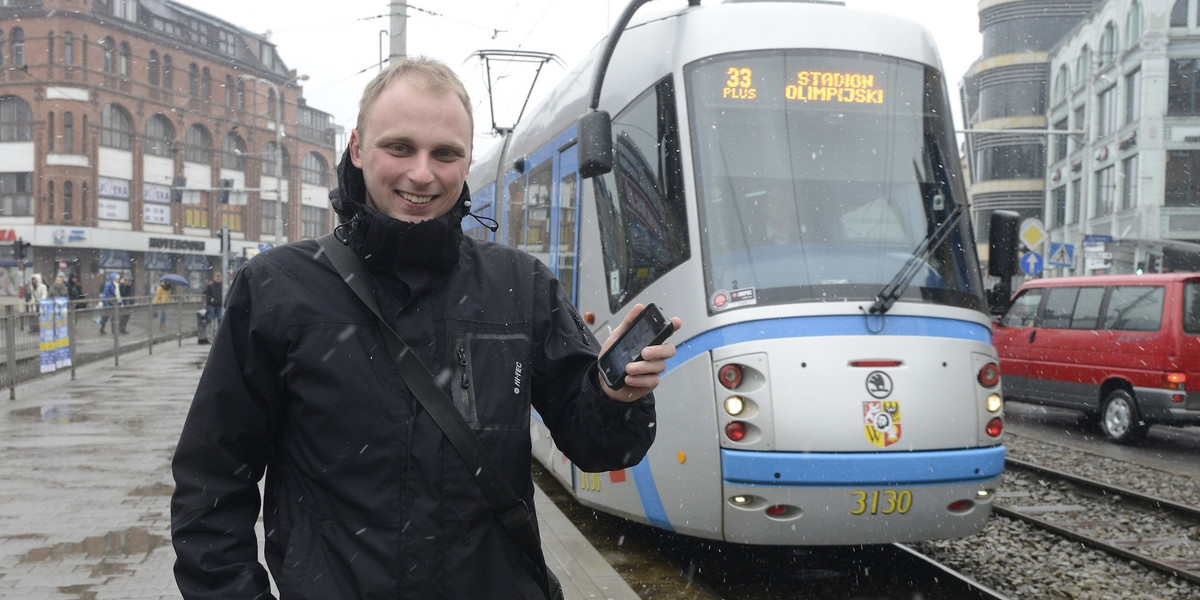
340	49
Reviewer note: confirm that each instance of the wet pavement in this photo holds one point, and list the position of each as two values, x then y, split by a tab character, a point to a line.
86	486
84	507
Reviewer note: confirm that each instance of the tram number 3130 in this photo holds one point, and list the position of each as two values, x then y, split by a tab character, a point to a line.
881	502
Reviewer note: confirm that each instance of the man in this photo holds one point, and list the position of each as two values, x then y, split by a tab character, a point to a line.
125	285
110	295
213	309
365	497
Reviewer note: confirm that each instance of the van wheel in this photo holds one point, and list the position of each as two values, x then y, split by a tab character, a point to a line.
1119	419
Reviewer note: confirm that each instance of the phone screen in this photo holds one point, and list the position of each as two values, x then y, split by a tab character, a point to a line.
648	329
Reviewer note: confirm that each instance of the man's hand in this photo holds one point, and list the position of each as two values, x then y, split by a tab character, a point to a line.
641	377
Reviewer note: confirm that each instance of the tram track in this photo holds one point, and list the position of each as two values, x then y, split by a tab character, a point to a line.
1107	517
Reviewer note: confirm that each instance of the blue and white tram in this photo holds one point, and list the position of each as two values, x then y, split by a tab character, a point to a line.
784	178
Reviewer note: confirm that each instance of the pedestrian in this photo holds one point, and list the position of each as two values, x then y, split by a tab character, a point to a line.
365	497
37	292
161	297
110	295
75	292
127	299
213	300
59	288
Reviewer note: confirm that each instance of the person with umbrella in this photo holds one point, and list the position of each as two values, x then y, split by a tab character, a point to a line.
162	296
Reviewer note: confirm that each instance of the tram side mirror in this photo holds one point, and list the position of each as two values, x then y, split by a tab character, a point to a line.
595	144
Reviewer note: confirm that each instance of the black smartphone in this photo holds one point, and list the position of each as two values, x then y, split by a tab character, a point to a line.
649	329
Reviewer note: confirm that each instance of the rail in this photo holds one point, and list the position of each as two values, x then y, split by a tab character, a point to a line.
33	345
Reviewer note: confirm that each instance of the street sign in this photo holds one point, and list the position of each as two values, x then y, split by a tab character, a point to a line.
1033	233
1031	263
1061	255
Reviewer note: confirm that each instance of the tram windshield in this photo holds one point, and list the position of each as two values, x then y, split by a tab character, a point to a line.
821	174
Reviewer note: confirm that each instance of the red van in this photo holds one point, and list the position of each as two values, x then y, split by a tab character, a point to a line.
1120	348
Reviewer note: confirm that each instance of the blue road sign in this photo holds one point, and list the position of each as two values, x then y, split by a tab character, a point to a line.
1031	263
1061	255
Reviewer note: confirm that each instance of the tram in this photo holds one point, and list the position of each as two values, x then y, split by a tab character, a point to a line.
783	176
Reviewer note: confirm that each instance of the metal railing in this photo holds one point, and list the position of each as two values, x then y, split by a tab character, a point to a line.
27	354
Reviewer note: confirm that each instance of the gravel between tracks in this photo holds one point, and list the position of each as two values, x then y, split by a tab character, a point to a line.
1025	563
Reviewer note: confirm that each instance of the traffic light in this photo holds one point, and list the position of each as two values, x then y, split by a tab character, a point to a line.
177	186
20	248
226	186
1151	263
221	237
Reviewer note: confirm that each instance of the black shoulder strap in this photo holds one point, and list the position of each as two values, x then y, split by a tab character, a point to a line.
512	512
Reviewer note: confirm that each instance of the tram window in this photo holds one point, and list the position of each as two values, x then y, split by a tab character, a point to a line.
566	232
640	205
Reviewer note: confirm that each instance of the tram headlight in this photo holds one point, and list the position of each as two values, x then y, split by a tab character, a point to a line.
734	405
994	403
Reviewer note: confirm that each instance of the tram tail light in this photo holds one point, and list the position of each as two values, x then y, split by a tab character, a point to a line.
730	376
735	431
960	506
995	427
989	375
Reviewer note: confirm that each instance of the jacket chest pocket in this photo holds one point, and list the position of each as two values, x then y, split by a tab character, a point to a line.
490	381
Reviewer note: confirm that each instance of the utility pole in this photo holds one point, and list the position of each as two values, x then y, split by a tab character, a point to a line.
398	36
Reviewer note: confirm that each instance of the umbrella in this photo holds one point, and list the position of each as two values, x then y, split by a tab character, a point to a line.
176	279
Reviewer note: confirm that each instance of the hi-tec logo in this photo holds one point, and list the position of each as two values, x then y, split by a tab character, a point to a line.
517	380
879	384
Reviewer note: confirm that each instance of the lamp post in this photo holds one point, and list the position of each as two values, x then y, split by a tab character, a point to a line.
280	204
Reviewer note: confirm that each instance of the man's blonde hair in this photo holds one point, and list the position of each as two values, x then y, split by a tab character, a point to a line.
436	75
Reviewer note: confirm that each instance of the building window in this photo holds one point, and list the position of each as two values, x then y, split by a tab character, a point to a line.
16	194
68	202
18	47
269	209
314	170
199	145
152	68
268	160
1062	81
1133	96
50	131
1076	201
1108	45
1133	25
1058	206
2	48
110	51
1179	13
116	128
50	201
68	133
159	136
229	90
233	152
123	64
1129	183
271	108
1080	124
313	221
1083	66
69	48
1106	119
193	79
16	120
168	73
1183	88
1183	178
1105	190
241	95
1060	141
206	84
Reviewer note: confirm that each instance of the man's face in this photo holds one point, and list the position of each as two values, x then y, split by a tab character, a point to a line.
415	151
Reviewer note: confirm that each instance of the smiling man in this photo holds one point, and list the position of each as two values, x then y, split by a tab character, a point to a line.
365	497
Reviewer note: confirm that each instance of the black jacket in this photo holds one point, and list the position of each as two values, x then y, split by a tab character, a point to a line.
365	498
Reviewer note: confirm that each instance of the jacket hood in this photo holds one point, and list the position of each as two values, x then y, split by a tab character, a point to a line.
384	243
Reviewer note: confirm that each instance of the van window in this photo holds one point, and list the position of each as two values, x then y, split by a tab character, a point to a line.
1060	304
1023	312
1087	308
1134	308
1191	307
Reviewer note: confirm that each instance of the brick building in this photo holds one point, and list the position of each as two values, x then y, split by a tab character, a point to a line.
134	132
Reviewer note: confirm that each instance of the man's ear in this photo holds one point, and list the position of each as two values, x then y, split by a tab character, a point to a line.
355	149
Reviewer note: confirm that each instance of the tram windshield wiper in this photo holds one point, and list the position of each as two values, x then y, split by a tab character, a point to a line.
894	289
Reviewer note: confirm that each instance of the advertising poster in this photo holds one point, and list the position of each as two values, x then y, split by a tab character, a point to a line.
62	340
46	334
